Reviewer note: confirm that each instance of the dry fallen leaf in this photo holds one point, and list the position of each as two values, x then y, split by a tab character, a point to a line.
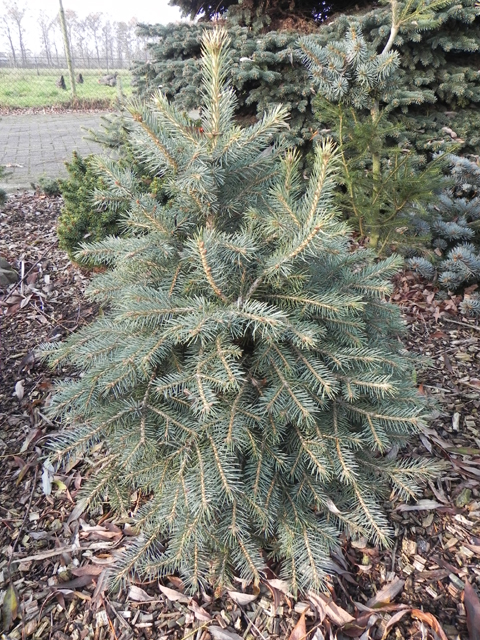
335	613
218	633
386	594
319	605
78	510
359	625
138	595
174	596
393	620
199	612
472	607
420	505
19	389
338	615
9	608
432	622
87	570
175	580
76	583
300	630
281	585
242	598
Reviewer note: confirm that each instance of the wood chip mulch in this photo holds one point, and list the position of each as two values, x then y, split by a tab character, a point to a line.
86	106
54	558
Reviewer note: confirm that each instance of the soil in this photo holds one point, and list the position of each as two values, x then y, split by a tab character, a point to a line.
54	559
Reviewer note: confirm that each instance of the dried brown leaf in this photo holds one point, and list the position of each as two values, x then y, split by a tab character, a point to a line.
472	607
173	595
77	511
175	580
76	583
319	605
9	608
420	505
300	630
138	595
281	585
242	598
218	633
335	613
199	612
338	615
432	622
387	594
357	627
393	621
88	570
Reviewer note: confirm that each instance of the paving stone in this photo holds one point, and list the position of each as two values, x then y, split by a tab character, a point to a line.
41	143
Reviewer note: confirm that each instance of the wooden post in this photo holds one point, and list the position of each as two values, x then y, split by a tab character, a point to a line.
68	55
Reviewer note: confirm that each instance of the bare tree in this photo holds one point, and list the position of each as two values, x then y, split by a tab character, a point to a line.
107	41
6	31
93	23
81	41
15	14
46	23
68	54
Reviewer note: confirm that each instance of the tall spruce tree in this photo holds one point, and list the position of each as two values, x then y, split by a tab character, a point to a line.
247	377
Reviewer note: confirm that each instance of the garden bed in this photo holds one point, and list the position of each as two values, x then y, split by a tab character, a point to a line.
57	557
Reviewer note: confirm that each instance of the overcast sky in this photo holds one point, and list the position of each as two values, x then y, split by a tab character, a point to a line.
150	11
144	10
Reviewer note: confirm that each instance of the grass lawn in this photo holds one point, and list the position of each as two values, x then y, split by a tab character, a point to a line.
29	88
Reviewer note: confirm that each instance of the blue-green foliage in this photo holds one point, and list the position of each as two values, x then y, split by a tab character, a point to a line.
264	71
247	377
453	226
439	87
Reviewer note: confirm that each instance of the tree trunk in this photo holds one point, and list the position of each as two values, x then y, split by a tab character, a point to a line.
68	55
22	46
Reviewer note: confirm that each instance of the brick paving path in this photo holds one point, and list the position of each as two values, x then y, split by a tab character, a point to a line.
40	144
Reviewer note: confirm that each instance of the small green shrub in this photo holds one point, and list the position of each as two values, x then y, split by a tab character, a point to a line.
3	193
81	217
49	186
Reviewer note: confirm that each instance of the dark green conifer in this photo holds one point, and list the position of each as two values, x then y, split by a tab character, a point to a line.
438	74
81	218
382	177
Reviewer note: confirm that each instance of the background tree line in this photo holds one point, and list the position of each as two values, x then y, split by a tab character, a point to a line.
96	40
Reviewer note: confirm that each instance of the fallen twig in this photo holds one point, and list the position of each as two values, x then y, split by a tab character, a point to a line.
20	531
22	279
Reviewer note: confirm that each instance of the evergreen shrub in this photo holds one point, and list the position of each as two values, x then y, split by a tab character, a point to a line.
438	73
247	378
81	218
382	176
49	186
452	259
3	193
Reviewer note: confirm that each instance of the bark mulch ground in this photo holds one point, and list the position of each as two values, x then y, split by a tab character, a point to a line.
54	558
82	106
